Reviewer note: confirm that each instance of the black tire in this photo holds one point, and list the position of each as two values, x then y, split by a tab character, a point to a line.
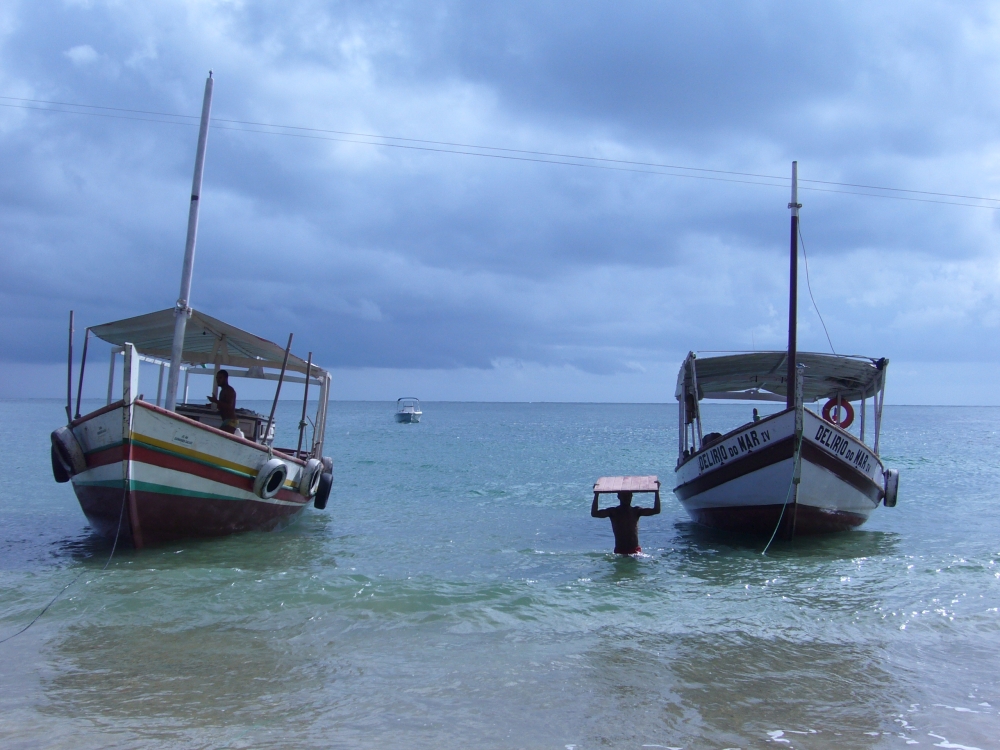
60	470
323	493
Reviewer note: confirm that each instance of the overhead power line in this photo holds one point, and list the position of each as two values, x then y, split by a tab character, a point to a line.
512	154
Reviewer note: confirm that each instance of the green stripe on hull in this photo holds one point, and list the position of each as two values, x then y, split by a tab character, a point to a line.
166	490
161	489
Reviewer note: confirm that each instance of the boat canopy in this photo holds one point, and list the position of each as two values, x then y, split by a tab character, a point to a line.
760	376
207	341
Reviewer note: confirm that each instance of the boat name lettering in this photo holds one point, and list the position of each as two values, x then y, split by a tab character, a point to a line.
183	440
745	443
842	447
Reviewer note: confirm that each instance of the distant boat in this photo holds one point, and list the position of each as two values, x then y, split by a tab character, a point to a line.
146	474
794	472
408	410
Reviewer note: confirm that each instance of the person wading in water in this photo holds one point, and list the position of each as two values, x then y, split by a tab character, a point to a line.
226	402
625	521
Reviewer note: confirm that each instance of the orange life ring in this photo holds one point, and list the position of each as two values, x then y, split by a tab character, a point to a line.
848	416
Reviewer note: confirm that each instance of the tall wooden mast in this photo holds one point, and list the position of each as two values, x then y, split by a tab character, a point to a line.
793	288
182	311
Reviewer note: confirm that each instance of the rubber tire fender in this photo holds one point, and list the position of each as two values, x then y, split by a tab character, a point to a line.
891	487
323	491
270	478
61	471
310	477
65	444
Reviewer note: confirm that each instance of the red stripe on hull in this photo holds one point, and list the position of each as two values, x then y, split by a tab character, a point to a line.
113	455
187	466
799	520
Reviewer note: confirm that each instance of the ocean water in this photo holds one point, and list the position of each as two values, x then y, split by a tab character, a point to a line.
456	593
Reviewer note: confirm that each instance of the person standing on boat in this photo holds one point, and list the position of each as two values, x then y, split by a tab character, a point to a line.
625	521
226	403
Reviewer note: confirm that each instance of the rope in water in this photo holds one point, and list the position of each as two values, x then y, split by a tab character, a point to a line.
45	609
788	494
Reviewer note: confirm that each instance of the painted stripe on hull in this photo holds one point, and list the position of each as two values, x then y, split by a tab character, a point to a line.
779	451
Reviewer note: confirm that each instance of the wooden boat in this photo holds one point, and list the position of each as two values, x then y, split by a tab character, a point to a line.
794	472
408	410
149	474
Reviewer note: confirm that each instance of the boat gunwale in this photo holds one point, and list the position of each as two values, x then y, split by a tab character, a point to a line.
194	423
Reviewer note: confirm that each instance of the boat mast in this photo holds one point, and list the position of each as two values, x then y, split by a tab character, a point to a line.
182	311
793	288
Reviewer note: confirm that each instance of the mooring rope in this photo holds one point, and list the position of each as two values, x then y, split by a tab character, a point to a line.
45	609
788	494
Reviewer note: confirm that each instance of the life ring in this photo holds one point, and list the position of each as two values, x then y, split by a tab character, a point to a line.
309	479
848	417
323	491
270	478
67	455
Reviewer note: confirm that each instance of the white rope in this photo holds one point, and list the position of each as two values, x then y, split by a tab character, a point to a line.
788	494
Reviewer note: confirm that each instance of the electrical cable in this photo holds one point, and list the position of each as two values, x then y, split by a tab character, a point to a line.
510	150
805	257
556	155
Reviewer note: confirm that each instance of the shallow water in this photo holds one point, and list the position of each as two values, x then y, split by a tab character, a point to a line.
457	593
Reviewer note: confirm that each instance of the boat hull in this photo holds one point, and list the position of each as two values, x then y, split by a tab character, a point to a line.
154	477
744	484
407	417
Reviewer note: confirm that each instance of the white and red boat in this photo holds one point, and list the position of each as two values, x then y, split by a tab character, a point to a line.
796	471
795	468
149	474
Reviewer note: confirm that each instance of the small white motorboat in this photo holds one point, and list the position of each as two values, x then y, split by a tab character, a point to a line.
408	410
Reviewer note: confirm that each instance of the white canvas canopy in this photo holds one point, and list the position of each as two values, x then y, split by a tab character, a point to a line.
207	341
761	376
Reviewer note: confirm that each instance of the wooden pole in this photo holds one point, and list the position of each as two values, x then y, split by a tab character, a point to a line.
69	373
305	403
182	311
277	391
793	289
83	366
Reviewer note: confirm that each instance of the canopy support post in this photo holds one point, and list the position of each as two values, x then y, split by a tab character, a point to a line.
182	311
277	391
69	373
864	401
319	429
697	405
159	385
83	365
111	374
793	288
305	405
879	403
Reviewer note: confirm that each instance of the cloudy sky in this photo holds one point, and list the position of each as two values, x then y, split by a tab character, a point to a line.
454	276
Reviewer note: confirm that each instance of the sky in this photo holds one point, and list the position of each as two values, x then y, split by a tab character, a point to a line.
408	269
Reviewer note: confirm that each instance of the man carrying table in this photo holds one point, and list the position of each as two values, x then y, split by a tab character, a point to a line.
625	518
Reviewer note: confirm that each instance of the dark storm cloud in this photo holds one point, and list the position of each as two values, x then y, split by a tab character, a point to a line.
382	257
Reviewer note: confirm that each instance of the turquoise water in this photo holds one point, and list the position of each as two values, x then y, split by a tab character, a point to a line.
456	593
